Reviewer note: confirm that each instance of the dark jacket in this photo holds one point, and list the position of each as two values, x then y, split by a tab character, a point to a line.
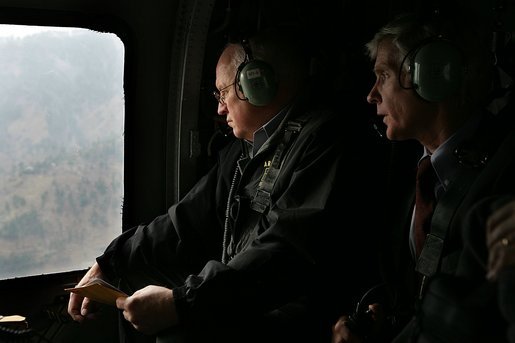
281	275
457	304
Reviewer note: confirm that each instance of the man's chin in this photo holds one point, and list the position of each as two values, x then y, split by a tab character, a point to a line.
396	136
238	133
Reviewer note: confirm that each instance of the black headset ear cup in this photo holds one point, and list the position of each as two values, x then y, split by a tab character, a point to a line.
257	81
437	70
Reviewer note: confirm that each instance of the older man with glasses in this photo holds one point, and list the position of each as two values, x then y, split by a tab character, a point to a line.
250	253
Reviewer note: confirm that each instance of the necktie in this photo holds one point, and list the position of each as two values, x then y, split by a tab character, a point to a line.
424	201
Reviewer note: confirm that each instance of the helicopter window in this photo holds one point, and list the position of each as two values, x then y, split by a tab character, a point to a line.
61	147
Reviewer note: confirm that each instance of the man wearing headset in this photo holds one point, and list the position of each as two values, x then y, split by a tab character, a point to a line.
247	254
433	81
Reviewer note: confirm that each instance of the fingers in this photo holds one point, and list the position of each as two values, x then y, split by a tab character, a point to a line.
120	303
499	256
88	308
500	239
80	308
340	330
74	307
501	224
132	313
150	309
377	310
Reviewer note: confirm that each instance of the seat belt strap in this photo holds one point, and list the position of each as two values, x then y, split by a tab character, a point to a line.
261	199
430	256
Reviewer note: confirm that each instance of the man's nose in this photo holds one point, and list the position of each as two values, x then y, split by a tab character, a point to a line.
222	109
373	96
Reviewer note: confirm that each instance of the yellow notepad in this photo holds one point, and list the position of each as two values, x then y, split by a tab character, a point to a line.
100	291
11	319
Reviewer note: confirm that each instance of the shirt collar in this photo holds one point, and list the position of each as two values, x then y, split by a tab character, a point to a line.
444	160
263	133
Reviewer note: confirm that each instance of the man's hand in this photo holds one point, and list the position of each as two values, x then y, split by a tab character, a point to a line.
80	308
500	239
342	333
150	309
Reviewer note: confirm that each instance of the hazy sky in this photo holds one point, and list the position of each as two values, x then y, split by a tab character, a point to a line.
23	30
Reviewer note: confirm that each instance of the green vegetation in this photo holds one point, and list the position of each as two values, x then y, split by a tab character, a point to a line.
61	150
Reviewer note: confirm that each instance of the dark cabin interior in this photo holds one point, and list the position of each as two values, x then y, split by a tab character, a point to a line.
171	128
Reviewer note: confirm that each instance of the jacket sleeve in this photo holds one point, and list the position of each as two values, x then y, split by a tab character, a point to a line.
296	248
173	245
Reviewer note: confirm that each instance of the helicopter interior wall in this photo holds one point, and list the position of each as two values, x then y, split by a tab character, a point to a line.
146	31
162	158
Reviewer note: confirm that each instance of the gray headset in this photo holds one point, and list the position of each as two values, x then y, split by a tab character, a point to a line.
436	68
256	79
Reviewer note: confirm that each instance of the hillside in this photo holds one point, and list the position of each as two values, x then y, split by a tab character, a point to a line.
61	150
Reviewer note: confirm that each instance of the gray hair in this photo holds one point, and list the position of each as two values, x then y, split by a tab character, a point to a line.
282	50
239	56
404	32
465	30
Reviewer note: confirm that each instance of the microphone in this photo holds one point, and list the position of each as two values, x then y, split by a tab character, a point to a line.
225	130
379	126
222	133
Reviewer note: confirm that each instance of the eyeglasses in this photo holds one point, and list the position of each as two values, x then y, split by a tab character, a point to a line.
220	94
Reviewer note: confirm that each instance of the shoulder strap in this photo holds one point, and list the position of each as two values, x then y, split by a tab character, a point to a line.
261	199
430	256
473	160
